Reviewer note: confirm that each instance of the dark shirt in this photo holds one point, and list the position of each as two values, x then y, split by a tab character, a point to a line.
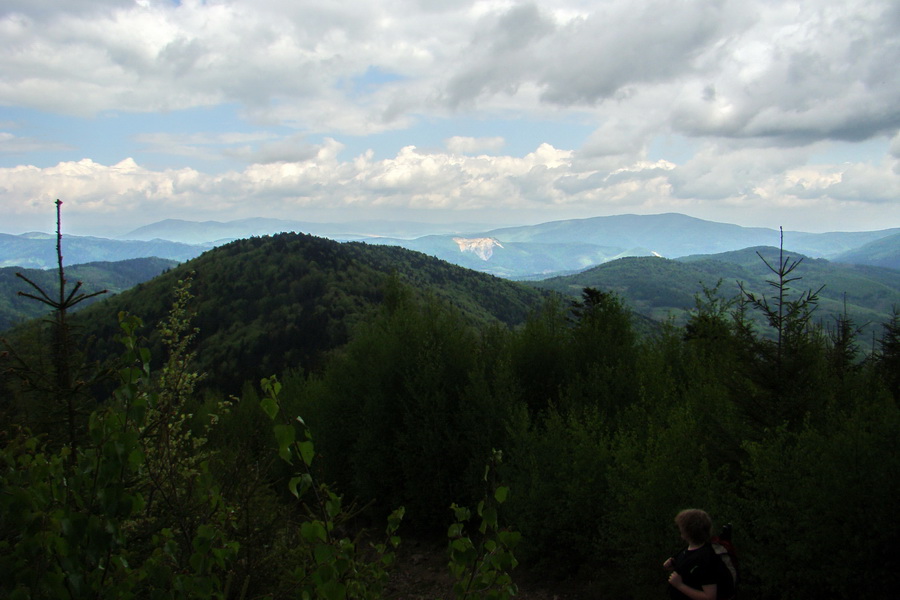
701	567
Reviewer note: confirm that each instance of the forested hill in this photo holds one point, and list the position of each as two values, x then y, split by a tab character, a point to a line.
577	439
659	287
265	304
95	276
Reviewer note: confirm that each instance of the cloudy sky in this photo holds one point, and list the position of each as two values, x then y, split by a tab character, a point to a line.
757	112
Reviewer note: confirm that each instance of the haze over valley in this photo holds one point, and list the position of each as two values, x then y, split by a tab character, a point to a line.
537	251
670	258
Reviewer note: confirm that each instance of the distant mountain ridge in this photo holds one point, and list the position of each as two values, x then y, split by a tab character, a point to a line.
552	248
267	302
95	276
526	252
662	288
883	252
38	250
216	232
674	235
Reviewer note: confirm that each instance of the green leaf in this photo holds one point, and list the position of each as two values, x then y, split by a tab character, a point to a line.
489	519
285	435
313	531
395	518
269	406
334	590
299	485
501	493
333	506
461	512
270	386
292	486
307	452
509	538
461	545
324	554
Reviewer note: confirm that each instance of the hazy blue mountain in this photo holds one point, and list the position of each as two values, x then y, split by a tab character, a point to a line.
209	232
564	246
834	244
111	276
525	252
38	250
513	260
883	252
670	235
673	235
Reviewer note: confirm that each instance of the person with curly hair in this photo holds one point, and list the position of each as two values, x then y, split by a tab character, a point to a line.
697	571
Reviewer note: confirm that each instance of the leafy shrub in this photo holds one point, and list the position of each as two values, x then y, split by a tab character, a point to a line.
557	467
821	504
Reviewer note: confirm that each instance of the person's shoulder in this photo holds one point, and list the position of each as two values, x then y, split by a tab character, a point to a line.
706	553
699	556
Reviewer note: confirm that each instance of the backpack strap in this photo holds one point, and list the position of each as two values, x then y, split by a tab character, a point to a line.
725	551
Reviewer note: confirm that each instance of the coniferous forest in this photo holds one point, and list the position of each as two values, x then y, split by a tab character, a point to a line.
275	418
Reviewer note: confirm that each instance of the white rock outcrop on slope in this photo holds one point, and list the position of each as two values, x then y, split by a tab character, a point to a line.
483	248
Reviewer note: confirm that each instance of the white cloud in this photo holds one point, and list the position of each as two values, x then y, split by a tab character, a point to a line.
754	85
802	71
721	171
469	145
546	184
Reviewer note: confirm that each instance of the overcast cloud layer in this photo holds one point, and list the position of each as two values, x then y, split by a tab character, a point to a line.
749	111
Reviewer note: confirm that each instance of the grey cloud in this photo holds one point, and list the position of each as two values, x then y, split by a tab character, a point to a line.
596	58
174	57
521	26
587	59
895	145
537	182
831	74
440	6
41	8
617	137
725	69
760	72
499	56
573	184
293	149
862	184
181	55
719	171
